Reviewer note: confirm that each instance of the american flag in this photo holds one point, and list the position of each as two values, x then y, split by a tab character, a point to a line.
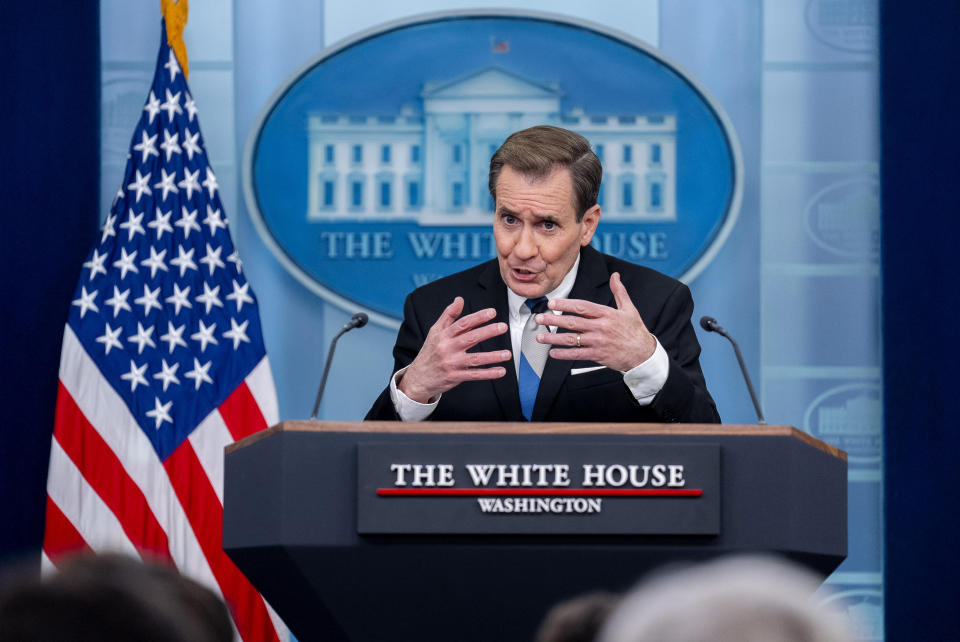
162	365
499	46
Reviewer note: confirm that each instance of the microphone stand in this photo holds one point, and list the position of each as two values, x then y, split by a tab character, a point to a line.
710	325
358	321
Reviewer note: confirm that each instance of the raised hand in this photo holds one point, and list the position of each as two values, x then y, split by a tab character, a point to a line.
613	337
443	361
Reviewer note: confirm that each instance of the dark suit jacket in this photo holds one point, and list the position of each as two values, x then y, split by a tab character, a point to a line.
664	304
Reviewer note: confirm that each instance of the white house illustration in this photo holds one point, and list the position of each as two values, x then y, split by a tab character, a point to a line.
431	166
860	415
851	222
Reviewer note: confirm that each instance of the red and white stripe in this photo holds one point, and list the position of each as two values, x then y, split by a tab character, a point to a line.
108	491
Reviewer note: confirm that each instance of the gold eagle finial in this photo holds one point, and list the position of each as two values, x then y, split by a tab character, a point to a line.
175	13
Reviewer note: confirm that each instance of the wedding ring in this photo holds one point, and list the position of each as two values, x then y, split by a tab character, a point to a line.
578	341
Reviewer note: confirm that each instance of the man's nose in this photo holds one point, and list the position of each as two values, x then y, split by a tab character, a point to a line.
526	247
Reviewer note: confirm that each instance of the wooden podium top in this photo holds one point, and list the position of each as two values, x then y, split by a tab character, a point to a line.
538	428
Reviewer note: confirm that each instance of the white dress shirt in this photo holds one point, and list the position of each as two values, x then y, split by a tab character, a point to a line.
644	381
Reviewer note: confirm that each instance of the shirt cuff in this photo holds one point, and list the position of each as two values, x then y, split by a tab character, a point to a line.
647	379
407	408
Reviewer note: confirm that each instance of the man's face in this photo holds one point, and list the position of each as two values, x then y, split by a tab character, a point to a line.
536	230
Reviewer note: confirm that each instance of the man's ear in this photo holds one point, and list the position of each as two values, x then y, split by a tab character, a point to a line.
588	225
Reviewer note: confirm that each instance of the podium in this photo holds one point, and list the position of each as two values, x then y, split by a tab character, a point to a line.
471	531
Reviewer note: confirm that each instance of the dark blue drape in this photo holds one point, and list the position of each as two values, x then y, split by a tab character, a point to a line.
920	204
49	173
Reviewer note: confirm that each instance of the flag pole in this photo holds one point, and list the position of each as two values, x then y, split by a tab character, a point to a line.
175	14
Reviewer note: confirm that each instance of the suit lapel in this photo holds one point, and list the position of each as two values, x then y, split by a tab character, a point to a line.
493	294
592	284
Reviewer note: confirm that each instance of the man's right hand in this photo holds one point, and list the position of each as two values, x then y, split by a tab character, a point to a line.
443	361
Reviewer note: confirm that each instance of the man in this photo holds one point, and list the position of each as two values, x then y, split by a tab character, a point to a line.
611	341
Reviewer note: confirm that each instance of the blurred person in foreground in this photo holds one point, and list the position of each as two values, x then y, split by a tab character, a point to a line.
735	599
578	619
111	597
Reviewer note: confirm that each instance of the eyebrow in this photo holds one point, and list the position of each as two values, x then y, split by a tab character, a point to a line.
506	211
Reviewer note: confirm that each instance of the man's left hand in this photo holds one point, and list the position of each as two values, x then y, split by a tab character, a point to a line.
613	337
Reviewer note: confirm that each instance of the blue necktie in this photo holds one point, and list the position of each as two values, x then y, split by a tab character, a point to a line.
533	356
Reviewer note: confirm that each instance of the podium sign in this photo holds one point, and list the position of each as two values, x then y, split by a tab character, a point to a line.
562	489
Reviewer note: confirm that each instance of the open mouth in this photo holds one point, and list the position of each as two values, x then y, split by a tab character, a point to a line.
523	275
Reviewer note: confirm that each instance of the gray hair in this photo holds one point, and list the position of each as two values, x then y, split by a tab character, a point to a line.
740	599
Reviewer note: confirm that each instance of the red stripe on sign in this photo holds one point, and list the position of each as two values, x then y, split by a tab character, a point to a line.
202	506
60	538
242	414
102	469
540	492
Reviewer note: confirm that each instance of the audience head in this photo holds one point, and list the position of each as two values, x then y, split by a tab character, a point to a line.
578	619
112	597
742	599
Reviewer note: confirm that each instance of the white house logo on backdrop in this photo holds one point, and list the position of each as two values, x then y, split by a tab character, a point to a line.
430	164
844	218
367	172
863	608
846	25
849	416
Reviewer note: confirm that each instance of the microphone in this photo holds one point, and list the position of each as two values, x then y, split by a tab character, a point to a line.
356	321
711	325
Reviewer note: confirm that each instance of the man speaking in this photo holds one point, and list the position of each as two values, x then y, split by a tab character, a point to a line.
551	330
